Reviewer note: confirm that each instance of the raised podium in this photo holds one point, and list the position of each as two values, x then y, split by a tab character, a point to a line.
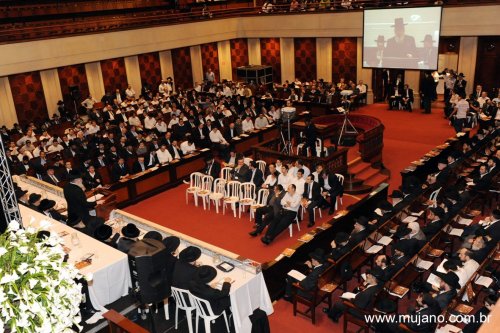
103	210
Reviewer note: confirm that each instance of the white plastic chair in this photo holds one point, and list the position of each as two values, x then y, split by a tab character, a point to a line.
232	196
247	160
183	301
204	310
247	196
341	180
262	196
204	191
433	197
314	212
218	194
290	227
225	173
194	185
262	166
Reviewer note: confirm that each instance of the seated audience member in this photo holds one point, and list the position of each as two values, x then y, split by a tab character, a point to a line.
331	189
339	248
447	289
153	234
119	170
92	179
130	232
271	179
185	269
46	207
434	221
187	146
261	121
163	155
50	177
247	125
481	314
34	200
241	171
285	178
407	98
171	246
290	204
365	295
212	167
139	165
264	215
103	234
202	286
311	197
360	231
256	176
316	266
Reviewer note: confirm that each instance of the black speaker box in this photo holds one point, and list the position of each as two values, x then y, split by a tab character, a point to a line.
147	262
348	141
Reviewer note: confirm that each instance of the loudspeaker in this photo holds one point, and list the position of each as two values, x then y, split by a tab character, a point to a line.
348	141
74	92
148	268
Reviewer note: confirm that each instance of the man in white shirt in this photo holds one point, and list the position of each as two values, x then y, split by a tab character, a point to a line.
261	121
54	147
470	266
89	102
163	155
483	98
300	165
461	110
247	125
285	178
290	204
218	141
161	126
130	92
299	182
188	147
149	122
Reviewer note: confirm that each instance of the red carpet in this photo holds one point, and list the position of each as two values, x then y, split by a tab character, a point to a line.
407	137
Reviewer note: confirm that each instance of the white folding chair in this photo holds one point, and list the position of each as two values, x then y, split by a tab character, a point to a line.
262	196
341	180
262	166
433	197
314	212
204	310
194	185
183	301
319	147
218	194
247	160
290	227
247	196
204	191
232	196
225	173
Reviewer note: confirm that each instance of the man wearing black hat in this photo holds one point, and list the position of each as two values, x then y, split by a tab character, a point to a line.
460	85
365	295
34	201
403	235
448	288
46	207
202	287
78	206
429	53
359	232
401	46
338	245
103	234
435	221
185	269
171	244
130	233
316	267
399	258
440	177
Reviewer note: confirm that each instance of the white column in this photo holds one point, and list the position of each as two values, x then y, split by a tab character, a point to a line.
254	57
324	59
196	65
467	61
224	53
94	79
167	68
8	115
287	56
133	73
364	74
51	89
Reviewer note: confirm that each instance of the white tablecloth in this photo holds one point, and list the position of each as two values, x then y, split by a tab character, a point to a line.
110	270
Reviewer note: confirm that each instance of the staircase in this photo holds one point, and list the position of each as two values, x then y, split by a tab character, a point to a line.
362	177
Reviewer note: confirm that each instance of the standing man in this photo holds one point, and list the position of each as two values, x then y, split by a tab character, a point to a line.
428	91
460	112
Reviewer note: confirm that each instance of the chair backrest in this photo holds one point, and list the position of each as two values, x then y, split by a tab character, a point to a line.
220	186
182	298
206	183
262	165
247	191
262	196
203	307
434	195
225	174
233	189
195	179
247	160
340	177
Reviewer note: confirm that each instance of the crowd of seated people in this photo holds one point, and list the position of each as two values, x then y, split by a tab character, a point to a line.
462	180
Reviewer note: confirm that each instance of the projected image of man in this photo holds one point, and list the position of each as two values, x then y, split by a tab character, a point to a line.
401	45
429	53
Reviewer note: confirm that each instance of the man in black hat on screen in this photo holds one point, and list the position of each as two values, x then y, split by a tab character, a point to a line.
401	46
429	53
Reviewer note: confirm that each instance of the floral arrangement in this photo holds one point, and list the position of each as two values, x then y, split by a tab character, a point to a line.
38	290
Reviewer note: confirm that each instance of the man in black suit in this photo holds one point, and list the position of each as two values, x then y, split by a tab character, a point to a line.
212	167
201	136
429	53
50	177
399	258
92	178
119	170
481	315
201	287
241	172
316	267
310	133
402	47
460	85
331	188
264	215
365	295
435	221
185	268
139	165
360	231
255	174
130	232
448	288
46	207
428	92
311	197
338	245
231	132
407	98
77	204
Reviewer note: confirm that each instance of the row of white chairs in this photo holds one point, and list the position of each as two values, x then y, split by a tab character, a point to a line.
186	301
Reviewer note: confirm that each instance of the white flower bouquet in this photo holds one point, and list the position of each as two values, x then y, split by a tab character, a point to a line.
38	290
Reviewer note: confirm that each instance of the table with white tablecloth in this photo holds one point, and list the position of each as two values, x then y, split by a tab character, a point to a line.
109	268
